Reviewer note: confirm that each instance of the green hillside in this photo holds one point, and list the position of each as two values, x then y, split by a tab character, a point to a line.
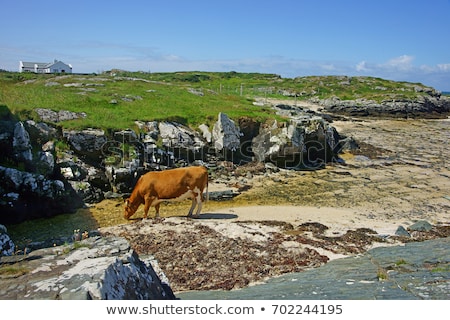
115	99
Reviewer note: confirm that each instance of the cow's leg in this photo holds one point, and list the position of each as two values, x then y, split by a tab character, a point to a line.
157	210
199	208
191	210
148	203
197	200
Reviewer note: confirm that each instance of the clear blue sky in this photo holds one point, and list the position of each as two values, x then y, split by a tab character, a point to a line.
406	40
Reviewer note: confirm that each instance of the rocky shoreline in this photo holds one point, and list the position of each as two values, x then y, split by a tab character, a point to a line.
152	259
216	255
396	175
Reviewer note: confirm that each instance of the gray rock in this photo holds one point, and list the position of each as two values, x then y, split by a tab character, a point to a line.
431	106
45	163
52	84
87	192
175	135
307	141
48	115
420	226
64	115
226	134
40	131
122	180
21	143
24	195
6	134
402	232
206	133
196	92
95	268
49	146
150	127
6	244
125	136
89	142
71	171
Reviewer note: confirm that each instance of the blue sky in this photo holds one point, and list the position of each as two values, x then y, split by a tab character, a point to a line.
394	39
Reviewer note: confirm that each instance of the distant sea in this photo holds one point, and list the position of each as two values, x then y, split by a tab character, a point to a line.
447	93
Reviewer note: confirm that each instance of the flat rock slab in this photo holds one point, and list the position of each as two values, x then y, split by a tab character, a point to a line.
95	268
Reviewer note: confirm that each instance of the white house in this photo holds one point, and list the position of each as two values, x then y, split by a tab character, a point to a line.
43	67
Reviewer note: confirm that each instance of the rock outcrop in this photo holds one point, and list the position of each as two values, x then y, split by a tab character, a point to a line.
6	244
424	107
88	142
26	195
95	268
49	115
21	144
48	170
307	141
226	134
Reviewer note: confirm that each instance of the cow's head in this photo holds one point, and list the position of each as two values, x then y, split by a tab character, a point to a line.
129	209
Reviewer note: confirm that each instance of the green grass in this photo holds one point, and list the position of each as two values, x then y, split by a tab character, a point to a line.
400	262
165	96
12	271
135	100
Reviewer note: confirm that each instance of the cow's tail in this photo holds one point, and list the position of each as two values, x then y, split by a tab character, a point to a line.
207	193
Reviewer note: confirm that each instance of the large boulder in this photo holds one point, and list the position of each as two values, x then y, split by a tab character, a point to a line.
88	181
205	132
166	142
99	268
89	143
40	132
25	195
175	135
22	149
226	134
306	142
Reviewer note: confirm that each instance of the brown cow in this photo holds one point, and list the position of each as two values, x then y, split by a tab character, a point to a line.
169	185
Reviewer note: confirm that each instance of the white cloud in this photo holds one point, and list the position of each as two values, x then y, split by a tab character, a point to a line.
171	57
403	63
444	67
328	67
362	67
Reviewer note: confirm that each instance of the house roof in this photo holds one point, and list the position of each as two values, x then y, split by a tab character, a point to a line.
40	65
32	64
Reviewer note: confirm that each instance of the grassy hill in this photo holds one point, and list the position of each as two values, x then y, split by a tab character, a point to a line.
114	100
